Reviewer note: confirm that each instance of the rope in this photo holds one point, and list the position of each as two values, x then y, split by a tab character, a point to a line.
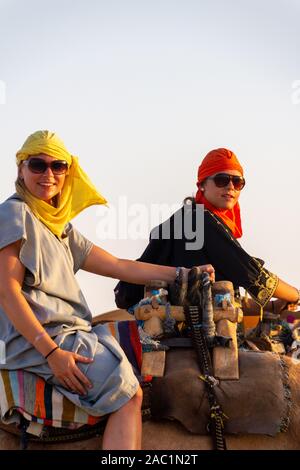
170	322
216	424
199	299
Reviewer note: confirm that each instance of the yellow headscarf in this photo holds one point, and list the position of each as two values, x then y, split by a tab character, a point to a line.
77	193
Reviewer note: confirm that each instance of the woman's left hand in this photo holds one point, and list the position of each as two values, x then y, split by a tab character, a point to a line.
64	368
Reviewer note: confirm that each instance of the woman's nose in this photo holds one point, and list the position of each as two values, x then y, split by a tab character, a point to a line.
230	184
49	172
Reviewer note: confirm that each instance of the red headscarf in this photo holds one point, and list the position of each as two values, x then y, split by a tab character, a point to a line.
218	161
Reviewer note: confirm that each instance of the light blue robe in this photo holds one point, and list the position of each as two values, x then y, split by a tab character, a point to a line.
52	291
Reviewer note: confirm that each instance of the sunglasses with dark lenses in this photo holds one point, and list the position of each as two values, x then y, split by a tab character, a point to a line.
38	165
222	180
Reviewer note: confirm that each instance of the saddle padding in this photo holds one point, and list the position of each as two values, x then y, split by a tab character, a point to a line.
257	403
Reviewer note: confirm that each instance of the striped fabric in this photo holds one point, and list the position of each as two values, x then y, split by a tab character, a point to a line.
28	394
37	401
126	333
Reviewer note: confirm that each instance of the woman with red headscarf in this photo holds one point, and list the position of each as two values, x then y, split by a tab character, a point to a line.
220	181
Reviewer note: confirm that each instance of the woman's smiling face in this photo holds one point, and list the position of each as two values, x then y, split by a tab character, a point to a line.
44	186
221	198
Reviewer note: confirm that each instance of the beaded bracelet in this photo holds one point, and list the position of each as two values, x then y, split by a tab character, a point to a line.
52	350
178	271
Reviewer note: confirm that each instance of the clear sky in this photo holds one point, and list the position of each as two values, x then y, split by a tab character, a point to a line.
142	90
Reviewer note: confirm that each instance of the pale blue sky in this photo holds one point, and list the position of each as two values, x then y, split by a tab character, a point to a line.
141	90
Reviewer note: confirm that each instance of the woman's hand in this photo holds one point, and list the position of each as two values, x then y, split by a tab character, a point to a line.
208	268
64	368
205	268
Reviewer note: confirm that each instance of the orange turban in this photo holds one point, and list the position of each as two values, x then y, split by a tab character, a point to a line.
218	161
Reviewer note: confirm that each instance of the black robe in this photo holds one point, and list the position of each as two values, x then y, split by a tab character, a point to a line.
220	248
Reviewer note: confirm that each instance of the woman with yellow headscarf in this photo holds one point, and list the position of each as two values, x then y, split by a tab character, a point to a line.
77	191
45	321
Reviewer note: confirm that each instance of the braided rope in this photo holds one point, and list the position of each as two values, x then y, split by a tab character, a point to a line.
199	299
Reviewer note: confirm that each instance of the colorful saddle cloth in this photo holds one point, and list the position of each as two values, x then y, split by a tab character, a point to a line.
26	394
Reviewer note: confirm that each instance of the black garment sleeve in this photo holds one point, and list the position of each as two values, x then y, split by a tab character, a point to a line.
234	264
157	252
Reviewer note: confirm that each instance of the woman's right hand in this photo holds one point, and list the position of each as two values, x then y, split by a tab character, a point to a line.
205	268
64	368
208	268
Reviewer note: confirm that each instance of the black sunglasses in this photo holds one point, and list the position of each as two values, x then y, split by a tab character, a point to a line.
38	165
222	180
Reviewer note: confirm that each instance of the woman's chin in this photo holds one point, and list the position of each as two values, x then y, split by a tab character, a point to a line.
46	196
226	205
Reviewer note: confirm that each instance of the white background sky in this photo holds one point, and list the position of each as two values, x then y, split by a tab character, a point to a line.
142	90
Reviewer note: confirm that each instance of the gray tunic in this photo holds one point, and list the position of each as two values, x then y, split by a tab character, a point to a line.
52	291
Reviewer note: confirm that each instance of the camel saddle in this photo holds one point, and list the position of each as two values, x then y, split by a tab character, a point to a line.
258	403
